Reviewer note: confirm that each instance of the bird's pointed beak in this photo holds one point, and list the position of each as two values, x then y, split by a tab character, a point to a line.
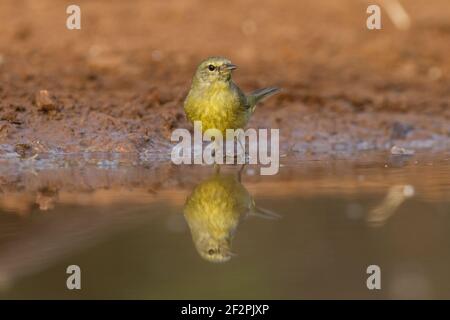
227	254
230	66
231	254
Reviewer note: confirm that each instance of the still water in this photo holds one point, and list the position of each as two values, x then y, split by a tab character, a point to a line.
156	231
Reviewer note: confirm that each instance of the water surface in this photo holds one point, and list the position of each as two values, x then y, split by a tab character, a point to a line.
155	231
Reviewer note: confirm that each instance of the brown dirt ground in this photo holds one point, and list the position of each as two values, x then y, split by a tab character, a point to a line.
118	83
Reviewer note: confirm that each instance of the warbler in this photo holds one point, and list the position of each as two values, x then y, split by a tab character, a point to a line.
213	211
216	101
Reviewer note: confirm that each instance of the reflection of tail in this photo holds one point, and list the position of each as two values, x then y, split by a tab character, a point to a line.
396	196
263	213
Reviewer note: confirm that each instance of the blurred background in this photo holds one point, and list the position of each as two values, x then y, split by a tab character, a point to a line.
129	67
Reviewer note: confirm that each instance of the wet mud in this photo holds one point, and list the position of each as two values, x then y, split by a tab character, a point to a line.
118	84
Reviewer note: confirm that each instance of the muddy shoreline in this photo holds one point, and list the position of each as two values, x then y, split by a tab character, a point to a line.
119	87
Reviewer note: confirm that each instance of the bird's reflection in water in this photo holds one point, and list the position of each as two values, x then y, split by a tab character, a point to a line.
213	212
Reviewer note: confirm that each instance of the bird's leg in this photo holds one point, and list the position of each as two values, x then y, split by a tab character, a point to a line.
219	146
239	173
242	146
245	155
216	146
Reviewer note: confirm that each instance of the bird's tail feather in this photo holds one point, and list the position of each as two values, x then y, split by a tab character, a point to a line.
260	94
264	213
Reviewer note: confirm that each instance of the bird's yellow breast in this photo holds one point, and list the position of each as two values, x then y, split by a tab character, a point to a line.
217	106
216	204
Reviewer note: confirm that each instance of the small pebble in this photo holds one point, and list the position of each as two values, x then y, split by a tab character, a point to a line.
44	102
401	151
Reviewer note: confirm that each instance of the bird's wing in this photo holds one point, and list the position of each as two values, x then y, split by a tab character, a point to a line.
243	101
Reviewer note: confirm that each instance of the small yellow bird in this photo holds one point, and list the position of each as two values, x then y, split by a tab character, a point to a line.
213	212
216	101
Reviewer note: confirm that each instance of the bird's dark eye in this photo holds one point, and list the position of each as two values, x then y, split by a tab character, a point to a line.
211	252
211	67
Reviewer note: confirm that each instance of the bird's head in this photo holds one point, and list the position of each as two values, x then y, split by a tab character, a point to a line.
214	69
214	250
